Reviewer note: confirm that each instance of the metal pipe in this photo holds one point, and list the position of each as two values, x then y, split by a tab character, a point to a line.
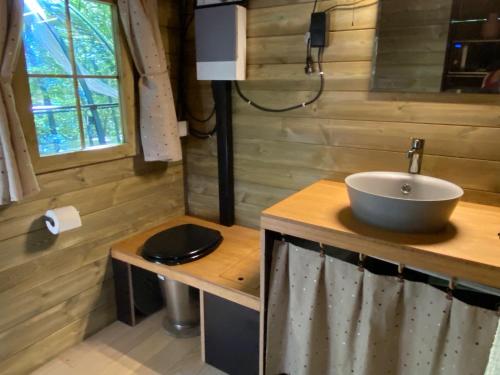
224	119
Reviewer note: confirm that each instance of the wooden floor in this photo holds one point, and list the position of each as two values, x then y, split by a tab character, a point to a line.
119	349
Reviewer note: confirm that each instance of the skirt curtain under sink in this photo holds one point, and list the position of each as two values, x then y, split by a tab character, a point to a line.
325	316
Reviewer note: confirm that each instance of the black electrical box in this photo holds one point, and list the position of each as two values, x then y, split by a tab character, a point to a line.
319	29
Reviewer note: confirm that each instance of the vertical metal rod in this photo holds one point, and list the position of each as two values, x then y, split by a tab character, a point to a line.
74	68
223	109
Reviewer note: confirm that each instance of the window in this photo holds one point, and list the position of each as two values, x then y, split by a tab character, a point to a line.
77	76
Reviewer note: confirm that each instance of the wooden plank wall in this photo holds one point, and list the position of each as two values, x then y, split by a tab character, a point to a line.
411	50
55	291
348	130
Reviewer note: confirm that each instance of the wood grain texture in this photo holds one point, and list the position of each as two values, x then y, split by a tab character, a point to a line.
269	174
376	107
339	76
346	160
466	249
347	45
350	129
56	290
230	272
288	20
143	349
25	361
49	321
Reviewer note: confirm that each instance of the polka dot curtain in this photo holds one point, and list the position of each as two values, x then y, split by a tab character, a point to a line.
325	316
494	362
17	178
158	121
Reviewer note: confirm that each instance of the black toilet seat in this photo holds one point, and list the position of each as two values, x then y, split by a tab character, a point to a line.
181	244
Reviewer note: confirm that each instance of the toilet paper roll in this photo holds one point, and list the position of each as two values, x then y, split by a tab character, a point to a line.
62	219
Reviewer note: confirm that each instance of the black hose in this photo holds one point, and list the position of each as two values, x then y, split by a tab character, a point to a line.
183	104
202	135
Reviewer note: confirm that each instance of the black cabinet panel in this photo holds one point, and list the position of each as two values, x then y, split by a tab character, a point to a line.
231	336
123	292
137	292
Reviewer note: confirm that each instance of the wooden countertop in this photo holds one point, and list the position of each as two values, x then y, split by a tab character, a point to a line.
231	271
468	249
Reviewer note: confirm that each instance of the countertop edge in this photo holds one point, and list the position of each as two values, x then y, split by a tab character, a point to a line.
399	253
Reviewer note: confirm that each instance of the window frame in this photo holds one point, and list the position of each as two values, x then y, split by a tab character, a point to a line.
126	84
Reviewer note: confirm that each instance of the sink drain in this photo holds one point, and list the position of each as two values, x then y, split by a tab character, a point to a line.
406	189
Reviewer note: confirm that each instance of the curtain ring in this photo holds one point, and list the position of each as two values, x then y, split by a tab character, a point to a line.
401	268
282	237
361	266
321	250
451	288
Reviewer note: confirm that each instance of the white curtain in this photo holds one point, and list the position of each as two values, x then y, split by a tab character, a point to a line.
494	361
158	121
17	178
327	317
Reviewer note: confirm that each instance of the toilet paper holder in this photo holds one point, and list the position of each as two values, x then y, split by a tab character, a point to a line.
48	219
62	219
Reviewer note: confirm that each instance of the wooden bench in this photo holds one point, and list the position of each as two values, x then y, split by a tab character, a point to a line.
228	280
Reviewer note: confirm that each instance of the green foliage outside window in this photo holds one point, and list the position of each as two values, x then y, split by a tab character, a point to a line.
73	74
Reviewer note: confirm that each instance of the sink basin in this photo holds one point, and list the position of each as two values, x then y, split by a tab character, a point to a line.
402	202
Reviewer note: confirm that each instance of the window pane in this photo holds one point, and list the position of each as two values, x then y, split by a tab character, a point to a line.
54	110
58	121
92	30
100	103
46	37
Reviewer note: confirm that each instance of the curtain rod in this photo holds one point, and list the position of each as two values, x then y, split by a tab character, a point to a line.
457	282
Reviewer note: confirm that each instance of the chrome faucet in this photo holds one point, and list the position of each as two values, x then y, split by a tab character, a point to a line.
415	154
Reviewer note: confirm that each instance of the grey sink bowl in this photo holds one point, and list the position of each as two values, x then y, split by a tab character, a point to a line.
402	202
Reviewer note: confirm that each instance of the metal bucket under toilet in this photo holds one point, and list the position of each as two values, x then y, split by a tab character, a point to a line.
178	245
183	308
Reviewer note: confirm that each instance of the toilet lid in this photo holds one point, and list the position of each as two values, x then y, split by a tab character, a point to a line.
181	244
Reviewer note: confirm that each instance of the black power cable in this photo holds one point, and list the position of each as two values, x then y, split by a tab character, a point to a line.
314	7
309	64
202	135
184	107
197	119
297	106
309	68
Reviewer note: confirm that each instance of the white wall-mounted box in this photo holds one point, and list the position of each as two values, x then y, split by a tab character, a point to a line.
220	39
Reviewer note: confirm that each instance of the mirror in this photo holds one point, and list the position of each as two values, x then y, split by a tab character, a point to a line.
437	46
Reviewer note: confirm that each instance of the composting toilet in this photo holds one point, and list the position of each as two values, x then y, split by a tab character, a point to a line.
178	245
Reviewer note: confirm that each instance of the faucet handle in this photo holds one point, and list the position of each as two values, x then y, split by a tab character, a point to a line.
417	143
410	152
